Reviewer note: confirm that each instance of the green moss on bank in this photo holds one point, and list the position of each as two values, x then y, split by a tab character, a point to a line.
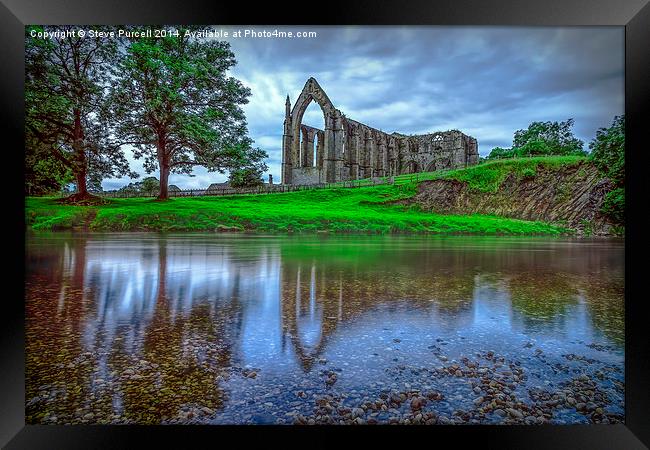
341	210
488	176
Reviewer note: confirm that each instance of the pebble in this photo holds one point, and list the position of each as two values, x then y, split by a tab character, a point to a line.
408	399
417	403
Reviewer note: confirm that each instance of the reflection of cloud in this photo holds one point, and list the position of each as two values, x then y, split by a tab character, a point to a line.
184	301
486	81
310	293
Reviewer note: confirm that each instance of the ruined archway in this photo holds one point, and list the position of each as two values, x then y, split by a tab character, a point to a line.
310	144
327	159
348	150
411	167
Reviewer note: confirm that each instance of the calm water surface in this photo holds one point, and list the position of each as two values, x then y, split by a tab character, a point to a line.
151	328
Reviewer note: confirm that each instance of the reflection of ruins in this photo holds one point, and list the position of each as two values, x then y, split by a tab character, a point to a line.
177	313
350	150
319	296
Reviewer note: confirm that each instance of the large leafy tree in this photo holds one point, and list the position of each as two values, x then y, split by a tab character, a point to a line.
548	138
178	107
608	150
499	153
540	139
65	100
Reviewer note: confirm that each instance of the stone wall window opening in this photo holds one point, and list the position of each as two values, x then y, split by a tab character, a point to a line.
313	116
312	121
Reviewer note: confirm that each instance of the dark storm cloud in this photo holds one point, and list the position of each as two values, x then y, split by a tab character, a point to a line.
486	81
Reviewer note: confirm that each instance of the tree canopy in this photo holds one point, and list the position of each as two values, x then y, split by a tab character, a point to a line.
178	108
542	138
66	119
608	150
148	185
246	177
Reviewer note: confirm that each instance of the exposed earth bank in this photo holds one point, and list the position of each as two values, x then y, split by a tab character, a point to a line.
567	195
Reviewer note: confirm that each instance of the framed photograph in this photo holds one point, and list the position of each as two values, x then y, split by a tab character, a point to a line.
391	220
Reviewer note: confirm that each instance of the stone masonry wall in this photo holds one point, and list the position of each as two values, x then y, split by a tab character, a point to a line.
350	150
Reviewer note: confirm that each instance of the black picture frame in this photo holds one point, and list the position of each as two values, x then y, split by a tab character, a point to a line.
634	15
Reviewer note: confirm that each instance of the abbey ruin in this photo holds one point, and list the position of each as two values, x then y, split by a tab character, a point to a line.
350	150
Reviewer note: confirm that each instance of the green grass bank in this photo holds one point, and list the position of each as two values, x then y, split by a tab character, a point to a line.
344	210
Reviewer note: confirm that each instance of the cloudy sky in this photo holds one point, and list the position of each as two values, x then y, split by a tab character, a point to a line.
485	81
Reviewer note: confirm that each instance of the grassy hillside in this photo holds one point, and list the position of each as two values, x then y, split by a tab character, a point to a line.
488	176
556	191
335	210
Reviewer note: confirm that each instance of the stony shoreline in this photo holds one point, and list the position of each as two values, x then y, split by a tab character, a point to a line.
493	381
497	393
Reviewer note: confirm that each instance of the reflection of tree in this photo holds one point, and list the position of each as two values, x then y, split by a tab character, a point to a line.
181	360
112	347
545	299
606	302
56	309
160	322
542	297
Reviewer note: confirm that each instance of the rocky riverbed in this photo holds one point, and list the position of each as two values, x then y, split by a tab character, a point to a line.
482	388
496	396
400	330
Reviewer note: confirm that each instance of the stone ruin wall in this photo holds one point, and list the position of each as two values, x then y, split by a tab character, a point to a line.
350	150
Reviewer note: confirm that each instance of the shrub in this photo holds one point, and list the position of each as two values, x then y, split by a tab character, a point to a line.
246	177
528	172
608	151
614	205
608	155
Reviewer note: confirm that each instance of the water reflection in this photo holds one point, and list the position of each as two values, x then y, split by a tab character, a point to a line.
144	327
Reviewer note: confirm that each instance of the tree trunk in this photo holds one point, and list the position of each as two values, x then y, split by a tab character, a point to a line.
79	166
82	189
163	164
164	180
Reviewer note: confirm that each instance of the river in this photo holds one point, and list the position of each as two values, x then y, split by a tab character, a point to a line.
234	329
